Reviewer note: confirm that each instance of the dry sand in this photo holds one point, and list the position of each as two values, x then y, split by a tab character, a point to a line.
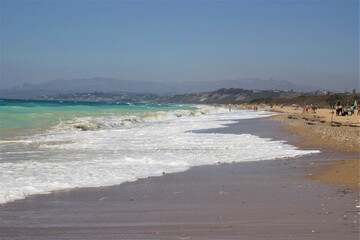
324	129
252	200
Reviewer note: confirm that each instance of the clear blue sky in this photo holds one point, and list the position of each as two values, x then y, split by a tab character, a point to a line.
312	42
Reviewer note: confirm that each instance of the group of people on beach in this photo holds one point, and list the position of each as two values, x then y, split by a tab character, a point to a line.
311	108
230	107
340	110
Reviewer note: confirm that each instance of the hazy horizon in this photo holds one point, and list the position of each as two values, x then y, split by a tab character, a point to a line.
305	42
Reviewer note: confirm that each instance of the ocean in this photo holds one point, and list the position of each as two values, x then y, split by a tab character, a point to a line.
47	145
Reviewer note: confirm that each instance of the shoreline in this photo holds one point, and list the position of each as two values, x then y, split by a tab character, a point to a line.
257	200
317	130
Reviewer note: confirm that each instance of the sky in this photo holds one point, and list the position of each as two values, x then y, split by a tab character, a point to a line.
301	41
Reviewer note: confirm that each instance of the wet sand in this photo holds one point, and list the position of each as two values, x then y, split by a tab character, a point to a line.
250	200
344	172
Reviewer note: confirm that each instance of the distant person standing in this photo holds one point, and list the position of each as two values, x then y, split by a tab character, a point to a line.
229	107
307	108
339	110
313	108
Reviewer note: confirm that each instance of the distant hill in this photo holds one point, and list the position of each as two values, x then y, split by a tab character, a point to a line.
112	85
221	96
250	84
268	97
109	85
232	95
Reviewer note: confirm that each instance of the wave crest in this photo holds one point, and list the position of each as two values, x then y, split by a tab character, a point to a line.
125	121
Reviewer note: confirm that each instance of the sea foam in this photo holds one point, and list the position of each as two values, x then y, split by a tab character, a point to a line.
110	152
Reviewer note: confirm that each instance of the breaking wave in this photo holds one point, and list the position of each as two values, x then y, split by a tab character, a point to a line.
103	151
107	122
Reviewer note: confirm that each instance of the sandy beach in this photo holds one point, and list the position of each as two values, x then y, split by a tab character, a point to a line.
296	198
325	130
179	120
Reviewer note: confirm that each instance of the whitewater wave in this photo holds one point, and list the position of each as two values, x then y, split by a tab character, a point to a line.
127	121
117	149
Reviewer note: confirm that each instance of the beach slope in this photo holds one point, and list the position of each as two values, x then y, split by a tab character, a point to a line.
250	200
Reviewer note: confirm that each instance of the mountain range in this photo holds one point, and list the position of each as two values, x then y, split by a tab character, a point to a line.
112	85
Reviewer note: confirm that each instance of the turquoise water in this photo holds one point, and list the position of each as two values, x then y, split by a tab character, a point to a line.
20	117
49	146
